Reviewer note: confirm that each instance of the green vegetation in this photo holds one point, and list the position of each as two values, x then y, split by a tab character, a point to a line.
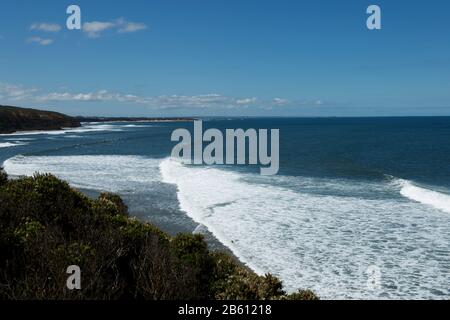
22	119
46	226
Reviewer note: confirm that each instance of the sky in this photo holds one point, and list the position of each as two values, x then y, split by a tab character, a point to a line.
227	58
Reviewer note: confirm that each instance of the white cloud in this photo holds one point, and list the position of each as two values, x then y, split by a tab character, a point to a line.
132	27
212	100
246	101
205	101
46	27
94	29
162	101
16	92
129	27
40	41
280	101
196	101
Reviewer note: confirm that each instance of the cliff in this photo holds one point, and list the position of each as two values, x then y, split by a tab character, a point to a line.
14	119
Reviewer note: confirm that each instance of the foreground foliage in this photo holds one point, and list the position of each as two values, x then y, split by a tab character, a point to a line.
47	226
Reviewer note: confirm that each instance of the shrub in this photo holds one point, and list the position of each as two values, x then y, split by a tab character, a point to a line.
74	253
301	295
193	258
233	281
47	226
116	200
28	230
3	177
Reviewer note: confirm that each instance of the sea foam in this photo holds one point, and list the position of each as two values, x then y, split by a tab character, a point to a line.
83	129
11	144
432	198
106	173
322	234
317	240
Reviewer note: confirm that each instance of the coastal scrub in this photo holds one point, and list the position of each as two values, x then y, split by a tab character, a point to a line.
46	226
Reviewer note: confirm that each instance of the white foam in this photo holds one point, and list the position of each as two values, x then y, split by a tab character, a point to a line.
11	144
106	173
85	128
95	128
72	136
432	198
310	232
135	126
318	241
20	139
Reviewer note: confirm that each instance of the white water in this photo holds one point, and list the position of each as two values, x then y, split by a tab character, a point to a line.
11	144
432	198
324	241
85	128
104	173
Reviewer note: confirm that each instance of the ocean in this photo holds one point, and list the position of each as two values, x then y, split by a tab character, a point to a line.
360	208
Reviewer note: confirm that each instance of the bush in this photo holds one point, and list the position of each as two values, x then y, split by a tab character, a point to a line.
28	230
301	295
3	177
193	258
47	226
233	281
116	200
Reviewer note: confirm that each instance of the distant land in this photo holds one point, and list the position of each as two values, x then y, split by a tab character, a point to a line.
133	119
13	119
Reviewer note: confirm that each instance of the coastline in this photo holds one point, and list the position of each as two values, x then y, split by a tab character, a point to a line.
133	119
121	257
275	224
17	120
214	244
40	131
14	119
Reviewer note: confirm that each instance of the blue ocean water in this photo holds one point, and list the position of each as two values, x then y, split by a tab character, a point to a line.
359	209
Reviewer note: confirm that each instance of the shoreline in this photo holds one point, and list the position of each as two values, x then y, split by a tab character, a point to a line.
43	131
214	244
121	257
133	119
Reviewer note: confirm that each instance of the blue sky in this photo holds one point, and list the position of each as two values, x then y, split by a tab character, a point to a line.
227	57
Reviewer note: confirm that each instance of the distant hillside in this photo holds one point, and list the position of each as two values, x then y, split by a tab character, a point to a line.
14	119
134	119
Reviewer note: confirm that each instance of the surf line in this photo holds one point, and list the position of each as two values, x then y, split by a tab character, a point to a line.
236	142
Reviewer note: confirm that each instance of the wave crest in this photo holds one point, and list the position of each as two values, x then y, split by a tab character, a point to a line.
429	197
